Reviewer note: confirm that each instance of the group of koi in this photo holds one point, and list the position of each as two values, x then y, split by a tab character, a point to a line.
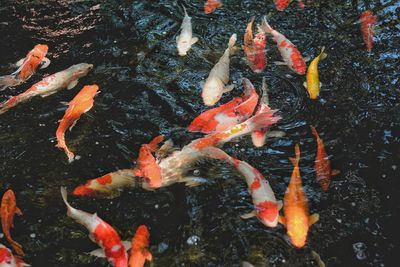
162	165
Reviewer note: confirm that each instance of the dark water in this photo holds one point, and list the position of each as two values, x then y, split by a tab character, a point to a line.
146	90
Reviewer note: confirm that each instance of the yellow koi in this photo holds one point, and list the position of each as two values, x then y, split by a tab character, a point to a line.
313	85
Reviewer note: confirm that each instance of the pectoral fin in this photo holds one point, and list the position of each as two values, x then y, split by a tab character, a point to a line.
192	181
313	219
18	211
248	215
307	58
228	88
194	40
72	84
281	63
19	62
147	255
275	134
280	204
335	172
305	85
282	220
127	245
45	63
98	253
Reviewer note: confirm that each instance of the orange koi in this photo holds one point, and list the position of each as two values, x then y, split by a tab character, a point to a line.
27	67
7	212
295	207
211	5
322	164
139	248
255	49
7	259
368	21
227	115
79	105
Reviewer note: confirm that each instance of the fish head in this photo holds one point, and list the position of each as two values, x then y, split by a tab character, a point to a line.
268	213
40	50
212	92
260	40
297	230
6	257
81	69
90	90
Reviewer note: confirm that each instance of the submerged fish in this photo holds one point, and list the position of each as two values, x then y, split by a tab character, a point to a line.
27	67
79	105
101	233
312	84
322	164
229	114
289	52
50	85
139	248
7	212
215	84
255	49
211	5
266	207
7	259
185	39
295	207
368	22
282	4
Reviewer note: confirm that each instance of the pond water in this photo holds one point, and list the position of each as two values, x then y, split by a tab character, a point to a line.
147	90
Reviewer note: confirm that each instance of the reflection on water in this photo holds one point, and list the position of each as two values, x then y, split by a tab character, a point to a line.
146	89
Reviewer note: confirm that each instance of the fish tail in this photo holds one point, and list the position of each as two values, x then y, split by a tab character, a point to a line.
265	27
64	196
295	161
8	81
323	54
265	90
17	247
13	101
184	9
60	134
263	120
314	132
214	153
231	43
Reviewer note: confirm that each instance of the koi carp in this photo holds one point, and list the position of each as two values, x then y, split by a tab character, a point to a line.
283	4
312	84
255	49
215	84
227	115
289	52
185	40
27	67
266	207
139	248
295	207
7	212
211	5
7	259
101	233
50	85
322	164
79	105
368	22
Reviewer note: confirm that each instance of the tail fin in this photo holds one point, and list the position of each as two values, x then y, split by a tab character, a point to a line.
262	120
8	81
65	197
214	153
248	87
314	132
5	106
184	9
231	44
323	54
295	161
265	90
265	27
17	247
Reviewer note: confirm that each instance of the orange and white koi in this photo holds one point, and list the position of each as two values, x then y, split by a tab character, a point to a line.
322	164
255	49
229	114
266	207
27	67
295	207
7	259
139	248
7	212
211	5
101	233
312	84
185	40
368	22
50	85
215	84
289	52
108	185
79	105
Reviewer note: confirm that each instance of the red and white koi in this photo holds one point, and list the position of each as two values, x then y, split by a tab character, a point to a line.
7	259
79	105
101	233
50	85
266	207
185	40
139	248
255	49
211	5
229	114
282	4
215	84
368	22
27	67
322	164
289	52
